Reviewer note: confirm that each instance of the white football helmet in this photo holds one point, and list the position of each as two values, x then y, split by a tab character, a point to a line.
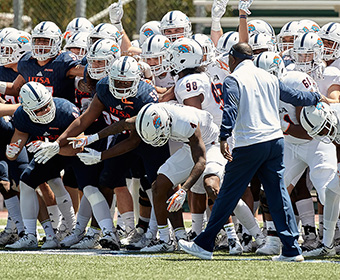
34	97
153	124
78	40
226	41
106	51
258	26
76	25
288	34
104	31
148	29
261	42
47	30
13	46
331	32
272	63
320	122
208	47
175	19
155	47
307	52
184	53
124	69
311	25
5	31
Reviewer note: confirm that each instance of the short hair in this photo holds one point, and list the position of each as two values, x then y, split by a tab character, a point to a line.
242	51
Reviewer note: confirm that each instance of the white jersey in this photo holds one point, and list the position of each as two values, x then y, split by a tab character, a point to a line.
184	123
301	81
196	84
331	76
336	63
165	81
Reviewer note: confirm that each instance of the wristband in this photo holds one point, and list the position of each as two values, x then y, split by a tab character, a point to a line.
119	26
3	86
216	25
243	16
93	138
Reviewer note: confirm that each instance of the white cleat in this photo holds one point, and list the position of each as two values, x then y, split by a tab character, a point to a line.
159	246
146	239
110	240
51	242
27	242
193	249
272	246
90	240
134	236
74	237
8	236
322	251
281	258
235	247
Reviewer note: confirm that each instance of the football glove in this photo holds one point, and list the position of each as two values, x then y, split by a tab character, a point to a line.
244	5
218	9
13	149
91	157
176	201
116	12
83	140
33	146
46	151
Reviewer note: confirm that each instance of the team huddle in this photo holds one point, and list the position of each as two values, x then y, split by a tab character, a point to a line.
80	125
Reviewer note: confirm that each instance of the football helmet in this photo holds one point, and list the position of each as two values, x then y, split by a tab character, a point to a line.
13	46
124	69
147	30
288	34
105	50
208	47
183	53
155	47
46	30
153	124
5	31
76	25
311	25
175	19
257	26
104	31
331	32
226	41
78	40
307	52
34	97
320	122
272	63
261	42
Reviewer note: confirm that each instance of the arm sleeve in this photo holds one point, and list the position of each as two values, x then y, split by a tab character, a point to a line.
298	97
231	94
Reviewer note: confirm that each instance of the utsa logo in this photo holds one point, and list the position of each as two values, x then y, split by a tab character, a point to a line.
319	42
167	43
319	106
42	80
114	49
157	123
148	32
23	40
184	48
315	28
251	27
277	60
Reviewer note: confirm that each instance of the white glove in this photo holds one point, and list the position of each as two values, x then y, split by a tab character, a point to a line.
176	201
218	9
244	5
33	146
83	140
13	149
47	150
116	12
91	157
146	69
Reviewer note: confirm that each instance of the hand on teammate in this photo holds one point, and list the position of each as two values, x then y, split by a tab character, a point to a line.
46	151
13	149
83	140
90	157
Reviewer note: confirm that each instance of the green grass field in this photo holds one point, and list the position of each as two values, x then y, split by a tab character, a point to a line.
104	264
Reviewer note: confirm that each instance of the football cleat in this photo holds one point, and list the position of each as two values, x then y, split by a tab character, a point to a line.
51	242
8	236
247	243
90	241
272	246
310	242
281	258
159	246
193	249
133	237
235	247
121	232
146	239
221	241
191	235
28	241
110	240
74	237
321	251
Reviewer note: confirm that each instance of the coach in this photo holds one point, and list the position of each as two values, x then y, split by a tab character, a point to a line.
251	112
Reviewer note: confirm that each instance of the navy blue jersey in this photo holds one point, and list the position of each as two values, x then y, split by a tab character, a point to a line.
66	113
125	108
52	75
6	132
8	75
